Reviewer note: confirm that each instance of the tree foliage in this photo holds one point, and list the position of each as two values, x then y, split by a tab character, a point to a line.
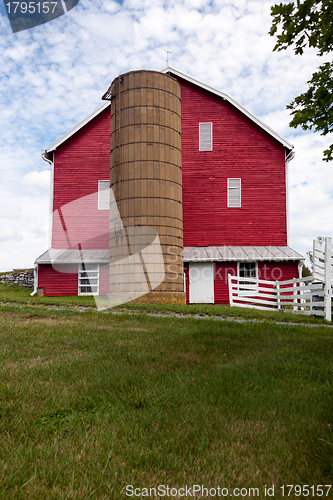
301	24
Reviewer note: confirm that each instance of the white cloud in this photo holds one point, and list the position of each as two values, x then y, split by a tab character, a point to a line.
9	233
38	179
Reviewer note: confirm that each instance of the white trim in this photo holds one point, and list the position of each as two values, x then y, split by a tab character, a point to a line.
241	108
51	203
234	203
201	287
35	280
50	224
77	127
288	158
247	262
101	197
93	273
251	289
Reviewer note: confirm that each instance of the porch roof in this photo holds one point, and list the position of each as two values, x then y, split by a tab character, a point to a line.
191	254
240	253
73	256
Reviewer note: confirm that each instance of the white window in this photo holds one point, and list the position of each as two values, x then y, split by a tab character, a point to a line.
247	270
205	137
234	193
88	279
103	195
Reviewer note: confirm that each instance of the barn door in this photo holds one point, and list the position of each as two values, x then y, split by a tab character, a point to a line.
201	283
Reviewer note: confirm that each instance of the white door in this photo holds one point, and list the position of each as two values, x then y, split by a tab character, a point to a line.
201	283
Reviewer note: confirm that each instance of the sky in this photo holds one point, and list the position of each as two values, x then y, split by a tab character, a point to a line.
52	76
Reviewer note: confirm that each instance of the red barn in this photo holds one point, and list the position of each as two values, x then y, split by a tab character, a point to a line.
234	190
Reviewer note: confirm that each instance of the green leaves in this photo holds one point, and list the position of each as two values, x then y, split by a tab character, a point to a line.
314	108
304	23
301	24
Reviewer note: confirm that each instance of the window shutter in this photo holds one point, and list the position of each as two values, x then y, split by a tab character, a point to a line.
103	195
205	137
234	193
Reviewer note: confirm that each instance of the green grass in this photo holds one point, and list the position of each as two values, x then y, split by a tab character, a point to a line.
17	294
92	401
21	295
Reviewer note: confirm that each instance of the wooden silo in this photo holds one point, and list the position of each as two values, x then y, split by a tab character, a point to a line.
146	179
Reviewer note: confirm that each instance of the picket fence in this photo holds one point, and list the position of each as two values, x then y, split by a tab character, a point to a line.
297	295
310	295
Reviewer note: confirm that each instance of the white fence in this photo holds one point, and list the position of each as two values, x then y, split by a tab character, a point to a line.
310	295
297	295
323	271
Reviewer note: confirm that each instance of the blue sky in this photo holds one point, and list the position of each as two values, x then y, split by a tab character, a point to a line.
53	75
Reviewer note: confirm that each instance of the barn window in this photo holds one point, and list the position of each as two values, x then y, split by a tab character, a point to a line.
88	279
234	193
247	270
103	195
205	137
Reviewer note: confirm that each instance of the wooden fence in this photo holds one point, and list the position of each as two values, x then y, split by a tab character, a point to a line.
323	270
297	295
310	295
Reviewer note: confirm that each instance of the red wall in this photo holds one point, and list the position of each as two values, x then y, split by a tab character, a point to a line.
270	271
240	149
79	163
277	271
221	289
55	283
104	285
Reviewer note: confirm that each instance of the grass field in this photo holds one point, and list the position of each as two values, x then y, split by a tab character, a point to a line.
91	402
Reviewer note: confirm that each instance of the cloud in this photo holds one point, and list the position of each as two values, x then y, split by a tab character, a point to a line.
8	233
38	179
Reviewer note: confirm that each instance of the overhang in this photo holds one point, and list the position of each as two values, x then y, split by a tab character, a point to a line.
74	256
241	254
190	254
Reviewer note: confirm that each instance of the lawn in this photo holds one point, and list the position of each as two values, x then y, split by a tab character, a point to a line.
92	402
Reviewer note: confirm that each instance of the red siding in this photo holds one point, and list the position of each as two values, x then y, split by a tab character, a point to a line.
277	271
104	286
240	149
55	283
266	270
221	290
79	163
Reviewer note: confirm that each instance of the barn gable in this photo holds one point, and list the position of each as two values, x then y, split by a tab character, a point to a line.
234	193
178	74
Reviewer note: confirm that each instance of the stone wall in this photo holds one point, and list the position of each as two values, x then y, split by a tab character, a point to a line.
24	278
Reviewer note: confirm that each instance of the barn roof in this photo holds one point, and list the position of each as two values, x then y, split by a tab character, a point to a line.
191	254
174	72
73	256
